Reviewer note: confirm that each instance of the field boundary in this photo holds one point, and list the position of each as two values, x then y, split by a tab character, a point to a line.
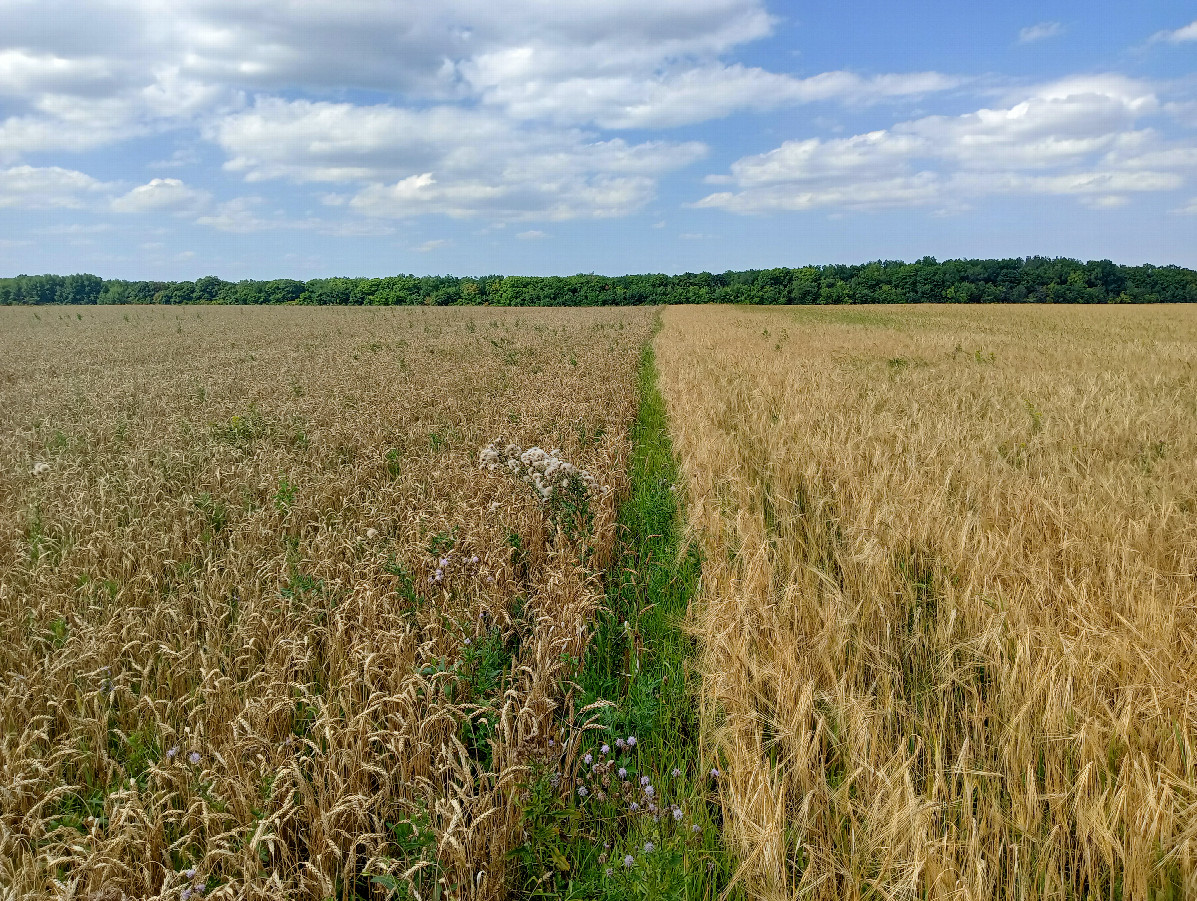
654	832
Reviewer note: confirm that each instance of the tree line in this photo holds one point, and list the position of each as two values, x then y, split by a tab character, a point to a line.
1029	280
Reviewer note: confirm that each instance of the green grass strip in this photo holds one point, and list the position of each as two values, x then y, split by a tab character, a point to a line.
653	832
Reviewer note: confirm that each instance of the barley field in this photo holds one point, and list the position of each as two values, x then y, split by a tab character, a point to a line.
271	628
948	616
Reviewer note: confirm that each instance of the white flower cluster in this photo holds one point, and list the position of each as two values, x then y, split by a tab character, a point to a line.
40	469
544	471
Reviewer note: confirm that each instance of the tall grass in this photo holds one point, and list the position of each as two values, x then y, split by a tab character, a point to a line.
948	617
268	628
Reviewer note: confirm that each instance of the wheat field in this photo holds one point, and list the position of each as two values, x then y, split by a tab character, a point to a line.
948	618
269	628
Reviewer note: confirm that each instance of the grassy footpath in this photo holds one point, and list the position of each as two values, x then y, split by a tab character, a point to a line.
628	808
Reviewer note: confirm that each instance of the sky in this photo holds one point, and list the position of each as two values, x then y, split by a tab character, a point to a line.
169	139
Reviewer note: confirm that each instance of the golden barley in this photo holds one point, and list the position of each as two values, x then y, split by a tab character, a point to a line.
949	603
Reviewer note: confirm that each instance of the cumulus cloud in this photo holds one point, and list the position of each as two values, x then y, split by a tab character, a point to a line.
1179	36
243	215
434	244
1041	31
571	89
446	159
162	195
1076	137
48	187
480	96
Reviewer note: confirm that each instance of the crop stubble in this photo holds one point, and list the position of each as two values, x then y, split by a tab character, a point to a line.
948	622
221	646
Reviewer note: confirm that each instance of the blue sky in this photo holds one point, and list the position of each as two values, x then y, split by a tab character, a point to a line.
171	139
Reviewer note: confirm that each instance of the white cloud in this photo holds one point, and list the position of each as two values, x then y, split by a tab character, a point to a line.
241	215
1179	36
31	188
162	195
74	228
434	244
532	234
467	80
569	88
1041	31
1189	209
1072	137
447	160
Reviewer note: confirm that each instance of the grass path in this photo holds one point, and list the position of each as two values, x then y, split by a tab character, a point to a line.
655	831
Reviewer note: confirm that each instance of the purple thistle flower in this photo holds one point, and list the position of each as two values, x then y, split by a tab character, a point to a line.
588	759
633	807
631	741
677	814
170	755
619	743
676	772
605	749
649	791
194	757
622	772
628	861
582	792
644	780
648	848
714	773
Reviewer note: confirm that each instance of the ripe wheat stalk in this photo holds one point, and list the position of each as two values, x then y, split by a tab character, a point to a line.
949	602
269	629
